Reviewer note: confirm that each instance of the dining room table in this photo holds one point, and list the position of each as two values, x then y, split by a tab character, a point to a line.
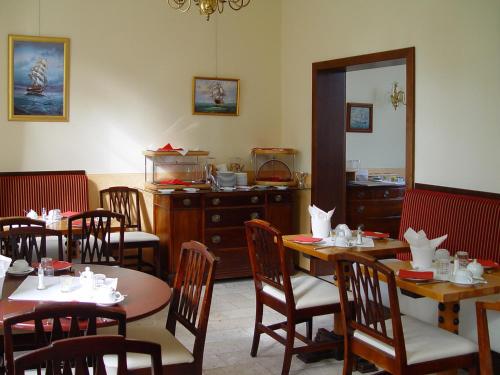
143	294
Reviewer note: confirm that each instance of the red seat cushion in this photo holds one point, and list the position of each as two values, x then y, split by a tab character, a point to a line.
22	192
472	223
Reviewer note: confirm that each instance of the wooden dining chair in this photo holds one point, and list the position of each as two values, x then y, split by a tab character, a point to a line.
58	320
299	298
92	230
7	223
189	306
84	356
398	344
483	335
30	243
125	201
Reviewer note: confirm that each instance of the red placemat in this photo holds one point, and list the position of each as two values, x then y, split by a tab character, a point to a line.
420	275
69	213
307	239
59	265
488	263
367	233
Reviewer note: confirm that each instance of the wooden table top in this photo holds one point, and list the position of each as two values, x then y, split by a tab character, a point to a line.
383	248
62	226
146	294
446	291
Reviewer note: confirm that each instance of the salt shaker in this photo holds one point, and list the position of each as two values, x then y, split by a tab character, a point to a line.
44	213
359	236
456	264
41	284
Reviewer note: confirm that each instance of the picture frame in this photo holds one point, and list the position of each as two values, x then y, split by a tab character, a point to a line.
359	118
38	78
216	96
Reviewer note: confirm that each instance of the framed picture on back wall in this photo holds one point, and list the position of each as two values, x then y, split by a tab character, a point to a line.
216	96
38	78
359	117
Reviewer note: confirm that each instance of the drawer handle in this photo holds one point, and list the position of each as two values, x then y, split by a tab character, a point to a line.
360	209
186	202
386	193
216	201
254	215
361	194
254	199
278	198
216	218
216	239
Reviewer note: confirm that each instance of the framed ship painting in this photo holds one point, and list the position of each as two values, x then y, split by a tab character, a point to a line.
216	96
359	118
38	78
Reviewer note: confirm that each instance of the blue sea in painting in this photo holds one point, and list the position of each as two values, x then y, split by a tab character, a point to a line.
49	104
212	108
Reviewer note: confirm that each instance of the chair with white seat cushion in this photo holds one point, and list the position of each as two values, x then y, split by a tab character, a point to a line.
299	298
189	306
125	201
92	230
398	344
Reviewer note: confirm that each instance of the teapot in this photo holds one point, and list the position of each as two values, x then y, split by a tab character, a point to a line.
87	278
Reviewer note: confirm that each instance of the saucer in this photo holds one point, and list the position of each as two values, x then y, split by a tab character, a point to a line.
15	272
166	191
228	188
112	302
190	190
281	187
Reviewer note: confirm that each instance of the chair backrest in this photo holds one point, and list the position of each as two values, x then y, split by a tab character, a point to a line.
196	268
29	243
54	321
125	201
7	223
86	353
268	258
93	230
485	360
360	275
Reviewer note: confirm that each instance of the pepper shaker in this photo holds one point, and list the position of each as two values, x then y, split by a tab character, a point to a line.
41	284
359	235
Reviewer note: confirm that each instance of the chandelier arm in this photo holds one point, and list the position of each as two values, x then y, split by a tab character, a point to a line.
220	5
238	4
180	4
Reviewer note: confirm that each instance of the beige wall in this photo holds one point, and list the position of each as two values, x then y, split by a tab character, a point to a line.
457	46
132	64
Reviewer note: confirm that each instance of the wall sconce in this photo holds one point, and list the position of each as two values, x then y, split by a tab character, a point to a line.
397	96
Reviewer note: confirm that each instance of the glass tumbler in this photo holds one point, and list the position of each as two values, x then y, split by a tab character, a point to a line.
47	266
463	259
443	269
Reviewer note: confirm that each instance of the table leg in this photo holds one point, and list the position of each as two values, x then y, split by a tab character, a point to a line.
448	320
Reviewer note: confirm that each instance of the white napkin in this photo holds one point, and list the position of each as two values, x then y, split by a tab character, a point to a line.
32	214
320	221
4	266
422	249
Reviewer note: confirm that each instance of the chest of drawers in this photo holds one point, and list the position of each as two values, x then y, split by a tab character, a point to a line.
217	220
378	208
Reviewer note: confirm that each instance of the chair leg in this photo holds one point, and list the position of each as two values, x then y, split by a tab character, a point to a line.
259	309
309	329
290	338
139	258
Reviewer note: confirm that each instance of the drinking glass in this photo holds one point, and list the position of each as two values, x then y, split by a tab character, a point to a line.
463	259
47	266
442	269
66	283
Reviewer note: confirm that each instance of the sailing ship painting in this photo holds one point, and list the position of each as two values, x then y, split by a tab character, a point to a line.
38	71
215	96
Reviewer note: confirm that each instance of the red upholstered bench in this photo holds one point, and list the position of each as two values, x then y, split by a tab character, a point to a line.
22	191
472	223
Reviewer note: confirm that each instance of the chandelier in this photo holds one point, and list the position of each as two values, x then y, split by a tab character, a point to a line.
207	7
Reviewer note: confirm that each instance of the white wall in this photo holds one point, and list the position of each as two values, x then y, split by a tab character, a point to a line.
385	146
457	46
132	64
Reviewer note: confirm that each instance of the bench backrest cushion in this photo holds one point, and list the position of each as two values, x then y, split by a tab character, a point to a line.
472	223
20	192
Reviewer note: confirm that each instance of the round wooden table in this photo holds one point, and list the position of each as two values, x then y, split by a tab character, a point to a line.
146	294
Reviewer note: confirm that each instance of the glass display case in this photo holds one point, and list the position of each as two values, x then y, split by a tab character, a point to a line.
170	169
274	166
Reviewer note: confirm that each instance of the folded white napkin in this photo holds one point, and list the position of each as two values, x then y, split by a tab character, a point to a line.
4	264
320	221
422	249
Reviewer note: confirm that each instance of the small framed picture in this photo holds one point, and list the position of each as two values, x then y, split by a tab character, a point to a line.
216	96
359	117
38	78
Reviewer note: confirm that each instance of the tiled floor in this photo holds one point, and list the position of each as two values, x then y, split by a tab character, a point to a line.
229	336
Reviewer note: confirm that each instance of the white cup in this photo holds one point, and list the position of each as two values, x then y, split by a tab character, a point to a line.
20	265
66	282
241	178
463	276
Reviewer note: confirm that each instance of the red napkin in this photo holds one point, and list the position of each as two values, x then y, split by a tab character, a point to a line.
421	275
57	264
168	147
174	181
306	239
375	234
78	222
487	263
69	213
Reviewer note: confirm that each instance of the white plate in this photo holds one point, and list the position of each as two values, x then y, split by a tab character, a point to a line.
280	187
191	190
228	188
166	191
261	187
474	282
244	187
12	271
111	303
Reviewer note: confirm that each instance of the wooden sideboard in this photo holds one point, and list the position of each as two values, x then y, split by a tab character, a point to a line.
216	219
378	208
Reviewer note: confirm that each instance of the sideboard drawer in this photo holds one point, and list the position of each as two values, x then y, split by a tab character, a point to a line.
217	238
235	199
226	217
279	197
375	208
380	192
187	201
